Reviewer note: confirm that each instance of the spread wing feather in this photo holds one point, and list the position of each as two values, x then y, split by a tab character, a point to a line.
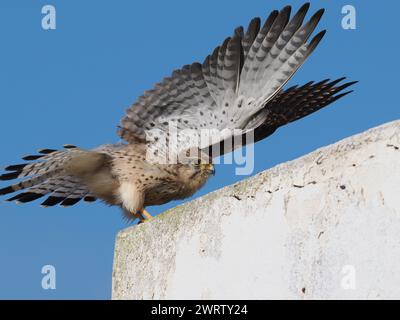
287	106
232	85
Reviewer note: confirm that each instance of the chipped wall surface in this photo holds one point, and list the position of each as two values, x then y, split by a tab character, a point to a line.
324	226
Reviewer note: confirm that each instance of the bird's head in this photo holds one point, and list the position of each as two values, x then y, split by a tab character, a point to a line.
206	169
200	163
194	175
197	167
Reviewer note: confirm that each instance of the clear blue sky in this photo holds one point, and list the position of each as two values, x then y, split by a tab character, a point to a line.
72	85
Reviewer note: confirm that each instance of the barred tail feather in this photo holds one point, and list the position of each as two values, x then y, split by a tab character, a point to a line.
45	175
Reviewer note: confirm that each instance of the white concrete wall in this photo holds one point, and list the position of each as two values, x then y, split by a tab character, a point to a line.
324	226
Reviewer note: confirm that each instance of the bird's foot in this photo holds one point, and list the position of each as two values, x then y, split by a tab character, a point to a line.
145	216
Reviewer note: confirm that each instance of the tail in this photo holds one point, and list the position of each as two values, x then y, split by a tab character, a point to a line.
45	174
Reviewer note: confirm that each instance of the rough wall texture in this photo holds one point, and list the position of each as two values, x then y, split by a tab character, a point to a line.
324	226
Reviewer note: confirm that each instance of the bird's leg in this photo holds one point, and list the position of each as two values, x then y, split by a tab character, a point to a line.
145	215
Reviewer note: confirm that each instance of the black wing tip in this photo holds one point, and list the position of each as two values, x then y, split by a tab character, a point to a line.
316	18
327	83
309	83
305	6
9	176
46	151
292	88
345	85
336	81
26	197
285	13
16	167
256	21
319	13
287	8
52	201
354	82
304	9
316	40
273	14
333	83
344	94
320	35
89	199
14	198
322	82
298	18
6	190
70	202
336	97
69	146
32	157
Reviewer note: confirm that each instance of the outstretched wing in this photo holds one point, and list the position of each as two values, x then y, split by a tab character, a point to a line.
232	85
287	106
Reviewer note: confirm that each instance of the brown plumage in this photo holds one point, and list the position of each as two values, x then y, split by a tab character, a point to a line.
239	86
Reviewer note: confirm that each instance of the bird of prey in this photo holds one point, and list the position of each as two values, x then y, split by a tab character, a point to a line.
239	86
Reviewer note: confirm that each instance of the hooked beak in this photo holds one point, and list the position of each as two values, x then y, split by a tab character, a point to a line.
210	168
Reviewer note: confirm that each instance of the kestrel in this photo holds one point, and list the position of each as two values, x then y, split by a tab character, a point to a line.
238	88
